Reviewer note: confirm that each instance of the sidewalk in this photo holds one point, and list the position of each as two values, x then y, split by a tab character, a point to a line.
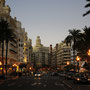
8	78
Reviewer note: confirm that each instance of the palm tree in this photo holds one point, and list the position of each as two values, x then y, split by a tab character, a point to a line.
86	6
87	36
72	38
9	37
3	25
6	34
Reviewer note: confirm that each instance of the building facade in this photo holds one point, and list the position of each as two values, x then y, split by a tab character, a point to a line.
40	54
60	55
19	48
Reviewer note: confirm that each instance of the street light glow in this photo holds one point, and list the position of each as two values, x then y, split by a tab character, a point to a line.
68	62
89	52
77	58
0	63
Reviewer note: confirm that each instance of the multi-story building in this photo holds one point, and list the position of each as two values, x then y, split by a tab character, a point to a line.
18	49
61	54
40	54
53	53
12	46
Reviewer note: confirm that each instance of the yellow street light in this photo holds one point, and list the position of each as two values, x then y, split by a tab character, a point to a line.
30	68
68	63
78	58
0	63
88	52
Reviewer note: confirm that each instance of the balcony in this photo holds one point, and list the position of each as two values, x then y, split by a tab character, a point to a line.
13	44
11	50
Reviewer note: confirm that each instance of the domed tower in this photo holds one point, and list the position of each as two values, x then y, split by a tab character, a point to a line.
2	3
38	41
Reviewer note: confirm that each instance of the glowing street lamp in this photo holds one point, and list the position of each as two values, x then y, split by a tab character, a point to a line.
15	66
0	63
30	68
68	63
78	59
88	52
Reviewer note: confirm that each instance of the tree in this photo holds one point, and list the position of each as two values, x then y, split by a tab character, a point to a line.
10	36
3	26
6	34
86	6
84	44
72	38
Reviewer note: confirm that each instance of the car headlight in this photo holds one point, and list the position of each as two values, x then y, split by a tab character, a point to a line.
78	79
88	79
39	75
35	74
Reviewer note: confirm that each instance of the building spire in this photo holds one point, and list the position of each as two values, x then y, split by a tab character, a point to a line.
38	41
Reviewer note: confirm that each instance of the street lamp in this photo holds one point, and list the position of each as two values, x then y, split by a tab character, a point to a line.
78	59
0	63
68	63
88	52
15	67
88	58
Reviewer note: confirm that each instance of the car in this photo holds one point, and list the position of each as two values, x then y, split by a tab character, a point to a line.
54	74
69	75
88	76
37	74
62	74
80	78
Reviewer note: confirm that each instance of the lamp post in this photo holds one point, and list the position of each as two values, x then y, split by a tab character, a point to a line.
1	66
78	59
88	52
15	67
88	59
0	63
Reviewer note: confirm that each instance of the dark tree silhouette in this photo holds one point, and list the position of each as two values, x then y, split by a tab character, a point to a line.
6	34
73	38
87	6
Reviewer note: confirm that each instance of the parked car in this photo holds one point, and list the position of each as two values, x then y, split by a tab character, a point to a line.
54	74
80	78
69	75
88	76
62	74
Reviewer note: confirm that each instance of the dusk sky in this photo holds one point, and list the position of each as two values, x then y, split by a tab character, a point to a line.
49	19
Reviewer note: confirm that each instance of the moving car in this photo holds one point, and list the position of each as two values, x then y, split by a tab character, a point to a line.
37	74
69	75
80	78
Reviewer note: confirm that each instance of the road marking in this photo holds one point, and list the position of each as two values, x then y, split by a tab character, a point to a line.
58	84
39	83
11	84
68	85
34	84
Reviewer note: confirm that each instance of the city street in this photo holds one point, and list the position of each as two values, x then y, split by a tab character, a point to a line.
42	83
